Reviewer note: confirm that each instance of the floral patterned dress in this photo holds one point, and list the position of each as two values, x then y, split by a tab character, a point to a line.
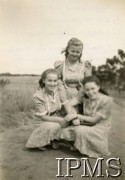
92	140
72	77
45	131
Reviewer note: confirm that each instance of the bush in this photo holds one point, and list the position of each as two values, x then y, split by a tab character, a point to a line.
4	82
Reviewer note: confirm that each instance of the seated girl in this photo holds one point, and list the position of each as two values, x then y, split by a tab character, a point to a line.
48	106
91	128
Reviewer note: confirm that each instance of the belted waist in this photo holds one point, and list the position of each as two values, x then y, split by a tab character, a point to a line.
73	85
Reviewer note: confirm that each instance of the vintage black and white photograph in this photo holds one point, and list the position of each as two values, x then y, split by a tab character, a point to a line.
62	89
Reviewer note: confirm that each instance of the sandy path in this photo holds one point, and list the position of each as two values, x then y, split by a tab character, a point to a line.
18	163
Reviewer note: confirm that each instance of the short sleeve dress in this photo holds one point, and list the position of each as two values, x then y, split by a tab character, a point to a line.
72	77
92	140
45	131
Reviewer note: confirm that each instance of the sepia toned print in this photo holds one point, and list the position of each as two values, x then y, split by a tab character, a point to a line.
36	36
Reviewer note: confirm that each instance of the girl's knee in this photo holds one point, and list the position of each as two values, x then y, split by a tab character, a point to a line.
81	129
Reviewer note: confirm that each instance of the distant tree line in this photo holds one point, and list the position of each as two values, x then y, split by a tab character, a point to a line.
112	73
9	74
5	81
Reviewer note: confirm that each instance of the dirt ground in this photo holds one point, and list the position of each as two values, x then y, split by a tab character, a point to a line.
18	163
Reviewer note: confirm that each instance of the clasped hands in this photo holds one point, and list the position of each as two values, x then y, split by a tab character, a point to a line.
68	118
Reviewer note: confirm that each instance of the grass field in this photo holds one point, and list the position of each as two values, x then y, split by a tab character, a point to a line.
16	119
16	101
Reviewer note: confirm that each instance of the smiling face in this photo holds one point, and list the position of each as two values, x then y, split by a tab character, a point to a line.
74	52
51	82
92	90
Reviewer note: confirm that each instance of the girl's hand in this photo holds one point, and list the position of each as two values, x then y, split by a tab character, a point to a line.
76	122
63	123
70	117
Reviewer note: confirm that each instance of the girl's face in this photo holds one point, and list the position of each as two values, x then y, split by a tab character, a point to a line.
74	52
51	82
92	90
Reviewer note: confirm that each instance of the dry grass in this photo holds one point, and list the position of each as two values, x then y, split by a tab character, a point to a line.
119	97
16	101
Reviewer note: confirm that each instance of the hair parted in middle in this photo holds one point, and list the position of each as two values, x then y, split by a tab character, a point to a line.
44	75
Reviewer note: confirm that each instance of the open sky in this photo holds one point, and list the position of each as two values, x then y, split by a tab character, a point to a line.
34	32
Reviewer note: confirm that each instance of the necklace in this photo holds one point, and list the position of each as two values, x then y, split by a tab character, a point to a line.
73	67
51	97
54	100
69	67
93	105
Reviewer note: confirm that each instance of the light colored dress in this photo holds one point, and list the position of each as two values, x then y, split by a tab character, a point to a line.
92	140
45	131
72	77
